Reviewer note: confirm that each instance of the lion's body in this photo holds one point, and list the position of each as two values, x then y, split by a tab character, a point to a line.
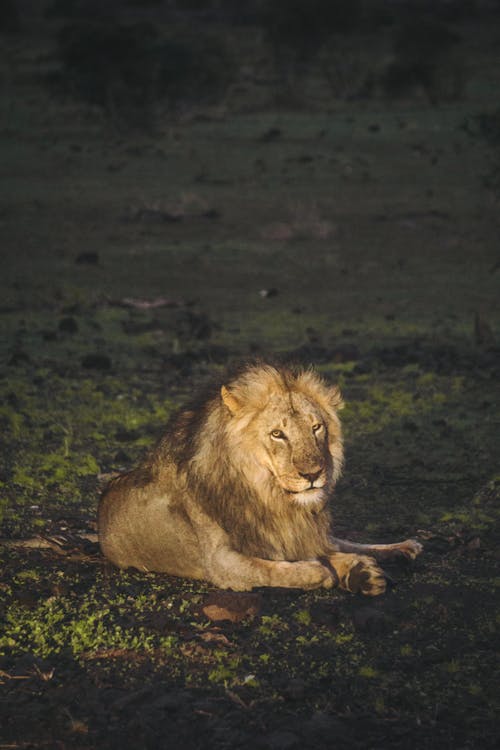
237	491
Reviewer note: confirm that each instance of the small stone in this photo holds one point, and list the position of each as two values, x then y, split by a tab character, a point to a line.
267	293
234	607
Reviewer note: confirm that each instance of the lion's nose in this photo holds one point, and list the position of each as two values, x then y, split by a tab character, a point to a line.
311	476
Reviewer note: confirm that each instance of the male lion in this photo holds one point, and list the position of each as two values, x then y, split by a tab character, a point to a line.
236	492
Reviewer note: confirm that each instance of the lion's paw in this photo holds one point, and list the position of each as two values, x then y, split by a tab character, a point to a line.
359	574
410	548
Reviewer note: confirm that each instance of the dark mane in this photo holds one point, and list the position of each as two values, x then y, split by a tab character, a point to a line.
184	426
277	529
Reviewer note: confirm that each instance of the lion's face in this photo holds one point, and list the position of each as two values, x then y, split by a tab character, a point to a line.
294	436
293	440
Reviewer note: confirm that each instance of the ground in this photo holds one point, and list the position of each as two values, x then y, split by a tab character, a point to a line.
360	237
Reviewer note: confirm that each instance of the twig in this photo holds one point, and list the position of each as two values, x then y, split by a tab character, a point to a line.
71	547
7	676
45	542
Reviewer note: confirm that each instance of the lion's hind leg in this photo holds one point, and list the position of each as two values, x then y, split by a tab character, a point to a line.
409	549
358	573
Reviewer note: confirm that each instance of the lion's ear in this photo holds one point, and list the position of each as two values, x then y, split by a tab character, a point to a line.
335	398
230	400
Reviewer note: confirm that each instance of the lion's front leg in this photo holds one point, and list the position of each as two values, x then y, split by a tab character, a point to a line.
231	570
358	573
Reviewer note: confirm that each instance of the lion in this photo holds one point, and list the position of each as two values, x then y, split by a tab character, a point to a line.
237	492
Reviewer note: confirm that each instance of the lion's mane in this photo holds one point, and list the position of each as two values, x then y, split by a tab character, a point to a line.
209	449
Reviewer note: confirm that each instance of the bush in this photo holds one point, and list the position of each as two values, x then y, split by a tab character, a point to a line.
130	70
297	29
194	71
425	56
109	65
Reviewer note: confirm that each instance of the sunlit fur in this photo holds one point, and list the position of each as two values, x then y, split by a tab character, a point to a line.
256	491
219	458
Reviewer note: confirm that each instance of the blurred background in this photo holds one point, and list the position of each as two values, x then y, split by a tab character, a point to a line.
185	184
265	176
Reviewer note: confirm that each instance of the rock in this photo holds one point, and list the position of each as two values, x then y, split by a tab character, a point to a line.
268	293
235	607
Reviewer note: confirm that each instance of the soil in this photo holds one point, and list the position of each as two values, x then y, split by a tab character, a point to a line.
358	236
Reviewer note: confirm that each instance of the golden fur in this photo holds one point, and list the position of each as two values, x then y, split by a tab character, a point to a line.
237	491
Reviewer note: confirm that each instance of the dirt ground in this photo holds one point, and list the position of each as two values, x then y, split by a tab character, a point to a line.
358	236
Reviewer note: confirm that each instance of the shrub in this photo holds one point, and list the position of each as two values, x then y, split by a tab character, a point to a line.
129	70
297	29
194	71
425	56
110	65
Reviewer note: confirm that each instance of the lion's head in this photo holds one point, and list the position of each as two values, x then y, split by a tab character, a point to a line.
284	432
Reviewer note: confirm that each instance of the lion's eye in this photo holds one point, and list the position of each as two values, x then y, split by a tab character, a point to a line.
277	434
317	427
